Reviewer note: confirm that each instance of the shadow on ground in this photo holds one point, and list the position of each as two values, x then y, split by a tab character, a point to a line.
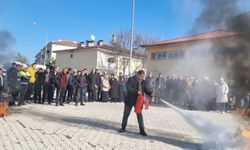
178	140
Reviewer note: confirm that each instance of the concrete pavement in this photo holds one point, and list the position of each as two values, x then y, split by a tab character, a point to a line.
95	126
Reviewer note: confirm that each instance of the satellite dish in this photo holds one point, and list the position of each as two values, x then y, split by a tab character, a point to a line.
92	37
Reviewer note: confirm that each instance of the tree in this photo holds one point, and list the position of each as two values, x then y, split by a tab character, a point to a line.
121	42
21	58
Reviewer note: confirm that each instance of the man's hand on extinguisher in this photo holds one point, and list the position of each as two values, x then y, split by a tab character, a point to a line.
139	93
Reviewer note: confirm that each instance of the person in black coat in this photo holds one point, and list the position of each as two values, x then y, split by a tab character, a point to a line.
46	85
12	79
38	86
91	78
81	82
136	86
98	87
150	83
122	87
114	90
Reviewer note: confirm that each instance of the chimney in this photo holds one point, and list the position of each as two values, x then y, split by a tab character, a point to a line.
80	44
100	43
90	43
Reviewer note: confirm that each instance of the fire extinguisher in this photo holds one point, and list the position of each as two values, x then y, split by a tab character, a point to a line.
139	104
146	102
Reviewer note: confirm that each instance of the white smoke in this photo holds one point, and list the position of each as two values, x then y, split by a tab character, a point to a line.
215	137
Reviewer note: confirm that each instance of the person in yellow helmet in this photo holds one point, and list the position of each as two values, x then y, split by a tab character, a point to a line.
32	71
24	80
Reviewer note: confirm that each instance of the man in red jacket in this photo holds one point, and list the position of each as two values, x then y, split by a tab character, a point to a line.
63	82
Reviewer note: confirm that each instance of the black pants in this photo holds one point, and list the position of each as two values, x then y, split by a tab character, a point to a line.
76	93
221	107
30	91
127	110
60	96
70	90
37	93
105	96
46	90
92	95
23	90
14	91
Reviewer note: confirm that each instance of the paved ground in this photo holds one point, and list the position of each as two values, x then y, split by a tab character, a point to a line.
95	126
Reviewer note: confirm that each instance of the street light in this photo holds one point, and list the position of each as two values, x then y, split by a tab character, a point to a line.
132	35
46	39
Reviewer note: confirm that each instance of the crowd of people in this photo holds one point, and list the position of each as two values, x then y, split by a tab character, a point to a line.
201	93
28	83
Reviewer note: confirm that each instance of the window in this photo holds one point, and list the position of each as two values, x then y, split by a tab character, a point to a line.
152	56
176	54
182	53
159	56
165	55
170	54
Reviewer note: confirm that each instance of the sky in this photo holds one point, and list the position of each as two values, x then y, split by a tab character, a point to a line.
76	20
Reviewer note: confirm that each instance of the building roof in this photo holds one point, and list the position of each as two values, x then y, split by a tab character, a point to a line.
196	37
65	43
104	47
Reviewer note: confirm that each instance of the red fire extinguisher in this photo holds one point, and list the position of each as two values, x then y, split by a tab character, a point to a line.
146	102
139	104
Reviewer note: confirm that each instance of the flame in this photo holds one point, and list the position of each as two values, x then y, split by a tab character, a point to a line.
246	134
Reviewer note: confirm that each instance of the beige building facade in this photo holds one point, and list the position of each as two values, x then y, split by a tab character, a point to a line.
103	57
196	55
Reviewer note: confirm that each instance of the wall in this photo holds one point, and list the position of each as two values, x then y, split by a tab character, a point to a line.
84	58
188	65
52	55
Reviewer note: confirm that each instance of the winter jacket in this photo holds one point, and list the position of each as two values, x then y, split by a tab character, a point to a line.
63	81
12	78
24	77
133	88
105	84
39	78
114	90
91	78
221	93
32	71
81	82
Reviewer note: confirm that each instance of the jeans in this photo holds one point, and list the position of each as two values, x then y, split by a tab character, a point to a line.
126	113
82	95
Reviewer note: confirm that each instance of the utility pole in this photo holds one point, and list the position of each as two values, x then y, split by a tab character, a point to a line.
132	36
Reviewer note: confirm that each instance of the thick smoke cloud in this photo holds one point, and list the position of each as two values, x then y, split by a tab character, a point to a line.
6	39
234	53
214	14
